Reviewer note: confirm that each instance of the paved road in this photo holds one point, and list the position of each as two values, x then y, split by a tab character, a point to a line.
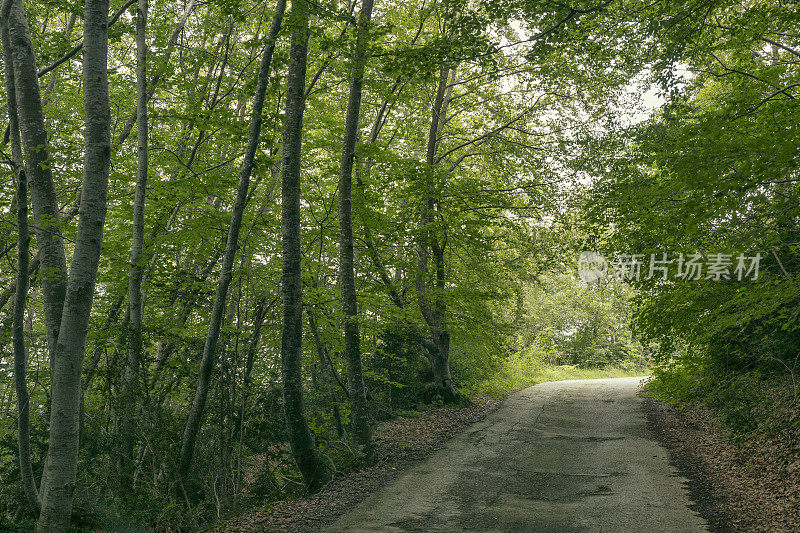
557	457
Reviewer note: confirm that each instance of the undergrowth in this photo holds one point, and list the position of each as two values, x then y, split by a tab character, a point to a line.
759	402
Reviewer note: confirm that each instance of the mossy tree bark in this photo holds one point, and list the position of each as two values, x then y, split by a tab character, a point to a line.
58	478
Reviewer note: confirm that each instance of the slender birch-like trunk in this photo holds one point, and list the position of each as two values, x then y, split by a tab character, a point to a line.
18	339
132	377
359	414
22	281
20	356
33	134
232	244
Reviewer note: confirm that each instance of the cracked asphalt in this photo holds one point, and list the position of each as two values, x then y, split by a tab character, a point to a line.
556	457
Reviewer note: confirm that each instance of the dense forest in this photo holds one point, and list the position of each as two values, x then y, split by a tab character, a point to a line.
236	235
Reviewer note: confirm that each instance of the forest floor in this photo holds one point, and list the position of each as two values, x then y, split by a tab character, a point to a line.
750	487
399	443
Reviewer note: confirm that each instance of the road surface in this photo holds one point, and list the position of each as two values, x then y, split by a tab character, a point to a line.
557	457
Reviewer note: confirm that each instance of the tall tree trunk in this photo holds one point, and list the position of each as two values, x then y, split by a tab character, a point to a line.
22	282
58	479
359	415
43	192
434	314
207	362
314	472
440	362
11	101
20	363
132	378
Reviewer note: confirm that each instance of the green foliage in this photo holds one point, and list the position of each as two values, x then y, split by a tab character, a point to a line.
750	403
565	329
397	371
524	370
588	325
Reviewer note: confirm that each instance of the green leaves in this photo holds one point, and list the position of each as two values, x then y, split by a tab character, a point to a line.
714	170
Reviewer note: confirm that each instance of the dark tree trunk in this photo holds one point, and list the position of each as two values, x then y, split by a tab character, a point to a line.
22	282
58	479
434	312
232	244
359	414
314	472
11	104
20	363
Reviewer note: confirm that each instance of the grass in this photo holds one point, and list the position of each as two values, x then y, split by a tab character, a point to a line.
520	372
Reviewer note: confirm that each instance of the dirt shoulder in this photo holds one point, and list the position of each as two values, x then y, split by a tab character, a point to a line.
399	444
743	488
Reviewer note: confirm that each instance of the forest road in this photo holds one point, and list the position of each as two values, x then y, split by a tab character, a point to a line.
556	457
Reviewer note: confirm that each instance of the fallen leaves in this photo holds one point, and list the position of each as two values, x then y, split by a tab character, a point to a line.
750	487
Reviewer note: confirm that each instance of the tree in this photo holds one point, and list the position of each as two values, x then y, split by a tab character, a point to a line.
352	347
314	471
58	478
46	214
232	244
22	281
135	303
434	313
406	276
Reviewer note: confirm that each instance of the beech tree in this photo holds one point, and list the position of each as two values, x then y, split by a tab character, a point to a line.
231	245
22	281
67	330
314	471
135	305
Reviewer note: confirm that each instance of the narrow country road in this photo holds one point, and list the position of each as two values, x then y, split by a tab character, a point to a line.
557	457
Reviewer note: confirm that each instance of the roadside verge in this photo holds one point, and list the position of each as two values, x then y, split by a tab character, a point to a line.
742	488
